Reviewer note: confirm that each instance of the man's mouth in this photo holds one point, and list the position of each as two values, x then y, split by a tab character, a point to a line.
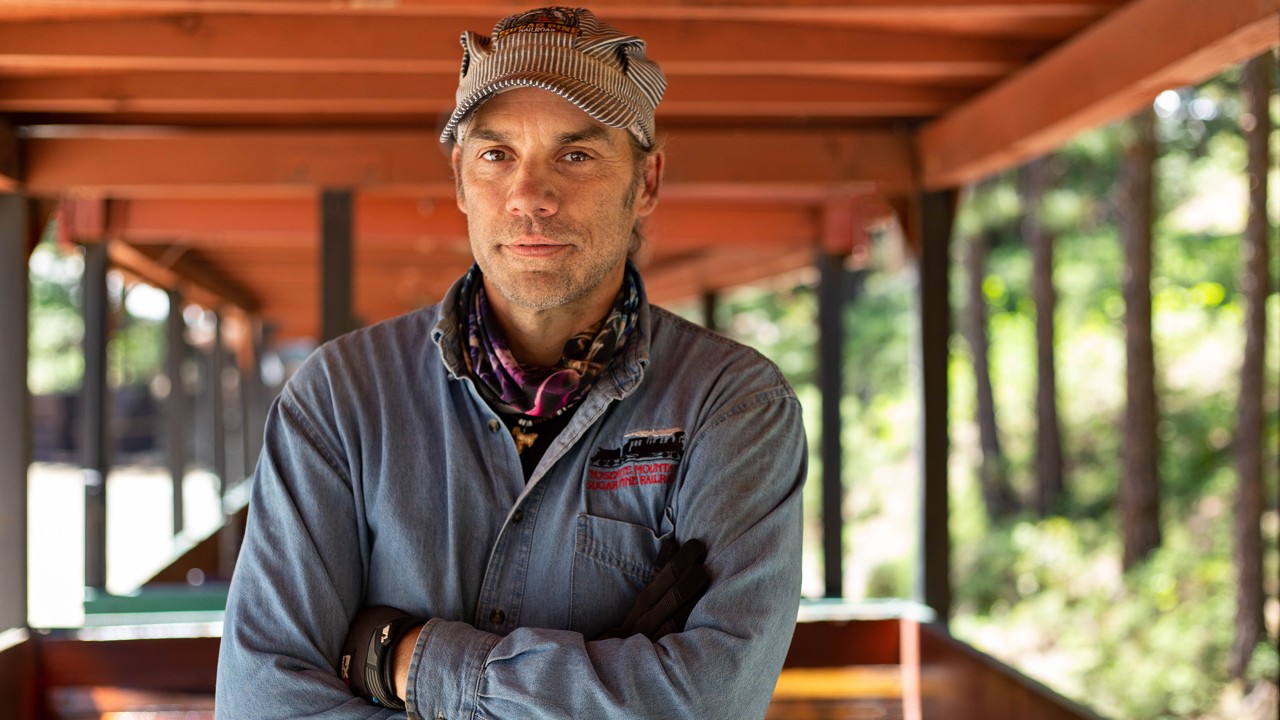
535	247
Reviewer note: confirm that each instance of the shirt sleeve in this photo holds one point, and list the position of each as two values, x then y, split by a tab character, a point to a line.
741	494
298	581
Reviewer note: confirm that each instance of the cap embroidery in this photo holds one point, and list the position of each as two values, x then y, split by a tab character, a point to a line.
554	19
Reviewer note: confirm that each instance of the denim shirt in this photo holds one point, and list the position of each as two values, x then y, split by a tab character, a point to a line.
385	479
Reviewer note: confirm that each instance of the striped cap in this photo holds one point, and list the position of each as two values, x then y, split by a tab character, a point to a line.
570	52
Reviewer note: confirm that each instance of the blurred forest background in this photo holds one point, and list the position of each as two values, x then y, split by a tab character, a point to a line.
1040	580
1044	589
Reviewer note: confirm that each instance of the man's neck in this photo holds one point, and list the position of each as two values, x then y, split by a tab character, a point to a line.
537	337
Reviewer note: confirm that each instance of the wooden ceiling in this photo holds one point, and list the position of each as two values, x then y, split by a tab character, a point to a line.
195	136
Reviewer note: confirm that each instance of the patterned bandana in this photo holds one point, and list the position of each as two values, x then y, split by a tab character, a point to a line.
540	392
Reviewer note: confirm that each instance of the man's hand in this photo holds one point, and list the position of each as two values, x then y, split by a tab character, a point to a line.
664	605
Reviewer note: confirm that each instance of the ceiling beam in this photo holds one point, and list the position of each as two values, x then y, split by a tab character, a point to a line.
397	43
95	220
196	285
1104	74
410	225
228	162
989	10
788	162
709	162
422	98
719	269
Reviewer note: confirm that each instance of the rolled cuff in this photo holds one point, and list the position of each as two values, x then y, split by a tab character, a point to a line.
444	674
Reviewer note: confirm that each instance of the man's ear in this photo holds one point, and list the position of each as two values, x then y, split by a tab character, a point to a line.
455	161
647	201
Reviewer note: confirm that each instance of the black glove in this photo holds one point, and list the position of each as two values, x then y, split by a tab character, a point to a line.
664	605
365	663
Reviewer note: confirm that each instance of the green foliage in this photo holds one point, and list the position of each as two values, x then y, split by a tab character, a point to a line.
136	345
1048	596
55	363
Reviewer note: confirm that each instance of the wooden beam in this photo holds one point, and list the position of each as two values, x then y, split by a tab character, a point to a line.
336	270
784	163
178	406
831	305
293	163
175	664
20	681
15	423
936	216
837	643
961	683
405	43
177	274
684	278
701	162
95	460
405	224
916	12
363	97
10	157
1105	73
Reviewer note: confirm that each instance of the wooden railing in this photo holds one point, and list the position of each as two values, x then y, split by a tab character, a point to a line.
886	668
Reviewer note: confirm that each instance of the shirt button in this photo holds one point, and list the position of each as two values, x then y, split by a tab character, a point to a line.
494	425
517	516
497	616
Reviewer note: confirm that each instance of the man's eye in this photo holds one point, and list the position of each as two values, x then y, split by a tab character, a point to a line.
493	155
577	156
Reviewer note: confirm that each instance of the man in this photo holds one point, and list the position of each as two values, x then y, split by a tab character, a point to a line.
543	497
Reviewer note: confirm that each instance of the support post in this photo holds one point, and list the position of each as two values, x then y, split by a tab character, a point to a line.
218	409
830	384
217	404
176	405
93	437
937	212
710	301
253	396
336	229
15	430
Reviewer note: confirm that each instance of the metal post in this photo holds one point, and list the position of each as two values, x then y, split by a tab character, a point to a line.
937	211
218	409
94	417
15	430
710	300
176	405
336	228
253	397
217	404
830	384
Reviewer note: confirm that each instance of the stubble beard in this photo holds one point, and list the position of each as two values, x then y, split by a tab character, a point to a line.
559	284
574	278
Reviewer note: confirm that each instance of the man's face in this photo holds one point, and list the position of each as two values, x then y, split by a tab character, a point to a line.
550	196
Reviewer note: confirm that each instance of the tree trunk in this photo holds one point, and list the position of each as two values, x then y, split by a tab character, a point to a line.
1035	178
1139	491
1254	285
992	474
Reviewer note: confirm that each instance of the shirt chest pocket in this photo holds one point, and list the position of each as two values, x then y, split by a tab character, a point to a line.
612	562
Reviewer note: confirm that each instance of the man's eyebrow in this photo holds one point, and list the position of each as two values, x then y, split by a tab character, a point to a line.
483	133
589	133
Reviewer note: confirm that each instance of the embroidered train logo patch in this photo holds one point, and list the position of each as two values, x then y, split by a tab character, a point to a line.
647	457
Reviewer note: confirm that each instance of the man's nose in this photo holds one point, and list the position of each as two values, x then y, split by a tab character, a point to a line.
533	192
